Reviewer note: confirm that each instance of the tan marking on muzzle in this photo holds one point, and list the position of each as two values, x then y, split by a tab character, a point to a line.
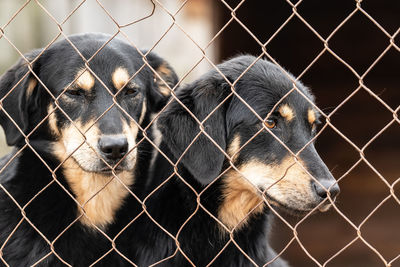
120	77
85	80
100	204
286	112
311	116
286	185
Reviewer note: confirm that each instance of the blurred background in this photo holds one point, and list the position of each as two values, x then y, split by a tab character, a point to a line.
359	43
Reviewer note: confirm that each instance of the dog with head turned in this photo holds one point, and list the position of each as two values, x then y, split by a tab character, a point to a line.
214	208
68	188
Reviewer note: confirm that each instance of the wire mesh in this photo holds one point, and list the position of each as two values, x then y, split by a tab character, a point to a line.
358	9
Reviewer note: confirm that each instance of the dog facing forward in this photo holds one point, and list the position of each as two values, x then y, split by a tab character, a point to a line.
251	141
65	191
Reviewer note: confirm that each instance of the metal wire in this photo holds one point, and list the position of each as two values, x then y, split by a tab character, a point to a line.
358	9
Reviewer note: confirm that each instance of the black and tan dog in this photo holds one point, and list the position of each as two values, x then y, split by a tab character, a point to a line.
265	168
89	140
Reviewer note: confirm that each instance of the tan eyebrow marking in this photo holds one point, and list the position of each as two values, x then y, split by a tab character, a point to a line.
120	77
85	80
311	116
31	86
286	112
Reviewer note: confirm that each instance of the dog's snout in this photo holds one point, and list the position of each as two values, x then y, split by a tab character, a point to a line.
113	147
327	185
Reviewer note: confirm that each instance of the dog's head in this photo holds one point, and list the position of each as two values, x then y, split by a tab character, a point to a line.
261	149
92	114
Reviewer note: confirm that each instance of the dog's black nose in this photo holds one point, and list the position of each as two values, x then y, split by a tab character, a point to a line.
113	147
328	184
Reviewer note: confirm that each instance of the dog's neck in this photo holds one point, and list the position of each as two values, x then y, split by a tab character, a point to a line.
98	196
240	201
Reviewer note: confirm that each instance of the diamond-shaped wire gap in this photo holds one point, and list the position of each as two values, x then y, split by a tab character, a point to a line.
384	77
158	23
387	217
295	256
374	190
301	48
61	10
39	31
87	16
383	153
132	12
338	154
330	81
357	254
380	12
316	231
325	16
188	68
369	114
359	42
23	34
195	19
9	10
278	31
154	220
69	225
36	230
245	13
192	40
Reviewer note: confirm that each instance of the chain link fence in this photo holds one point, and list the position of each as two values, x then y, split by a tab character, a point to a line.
290	226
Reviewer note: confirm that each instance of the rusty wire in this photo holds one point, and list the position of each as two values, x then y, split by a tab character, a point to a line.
358	9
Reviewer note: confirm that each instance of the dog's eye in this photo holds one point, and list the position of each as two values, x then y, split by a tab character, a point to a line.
131	91
75	92
270	123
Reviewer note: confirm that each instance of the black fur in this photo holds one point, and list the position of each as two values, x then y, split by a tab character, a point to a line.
201	238
24	176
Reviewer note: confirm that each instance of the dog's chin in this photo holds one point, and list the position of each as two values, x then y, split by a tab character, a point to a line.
102	169
298	210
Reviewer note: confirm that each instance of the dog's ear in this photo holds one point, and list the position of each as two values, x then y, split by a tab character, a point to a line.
203	159
18	96
159	92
